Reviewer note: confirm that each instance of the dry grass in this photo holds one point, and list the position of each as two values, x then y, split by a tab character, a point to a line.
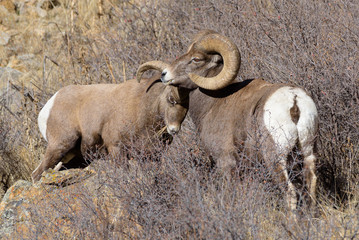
313	44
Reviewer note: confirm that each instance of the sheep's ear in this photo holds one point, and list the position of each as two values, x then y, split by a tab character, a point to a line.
153	82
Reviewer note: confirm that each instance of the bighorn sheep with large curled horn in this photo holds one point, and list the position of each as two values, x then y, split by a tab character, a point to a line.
109	115
234	117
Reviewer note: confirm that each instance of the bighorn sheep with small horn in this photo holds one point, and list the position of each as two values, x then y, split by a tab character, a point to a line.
235	117
107	114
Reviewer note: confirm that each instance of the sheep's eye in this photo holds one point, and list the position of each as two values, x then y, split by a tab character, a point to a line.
171	100
196	60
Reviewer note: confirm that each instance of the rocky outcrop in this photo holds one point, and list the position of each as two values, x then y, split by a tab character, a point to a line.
71	204
11	98
4	38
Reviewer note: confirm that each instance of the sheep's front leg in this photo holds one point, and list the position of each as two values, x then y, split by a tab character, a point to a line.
226	163
114	150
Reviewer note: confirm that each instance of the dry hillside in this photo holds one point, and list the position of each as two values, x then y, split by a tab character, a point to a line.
48	44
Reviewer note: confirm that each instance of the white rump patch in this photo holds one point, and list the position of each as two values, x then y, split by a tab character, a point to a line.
44	115
307	124
277	118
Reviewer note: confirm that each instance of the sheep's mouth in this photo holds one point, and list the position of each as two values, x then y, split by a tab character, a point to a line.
167	82
172	133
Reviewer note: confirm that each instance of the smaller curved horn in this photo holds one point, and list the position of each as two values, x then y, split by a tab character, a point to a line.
156	65
180	94
231	61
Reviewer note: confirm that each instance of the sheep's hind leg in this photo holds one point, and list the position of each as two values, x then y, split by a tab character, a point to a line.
67	158
306	143
285	183
52	157
310	178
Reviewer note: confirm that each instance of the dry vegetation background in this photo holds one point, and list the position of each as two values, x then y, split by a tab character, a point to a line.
310	43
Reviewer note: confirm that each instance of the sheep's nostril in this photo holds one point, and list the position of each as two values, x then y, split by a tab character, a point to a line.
163	75
173	129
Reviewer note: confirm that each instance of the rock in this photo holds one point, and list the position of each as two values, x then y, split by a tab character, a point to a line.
8	92
33	11
8	74
41	12
4	38
24	63
8	4
7	19
14	93
8	214
61	206
25	57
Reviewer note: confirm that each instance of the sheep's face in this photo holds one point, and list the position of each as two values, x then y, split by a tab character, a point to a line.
212	62
193	62
176	107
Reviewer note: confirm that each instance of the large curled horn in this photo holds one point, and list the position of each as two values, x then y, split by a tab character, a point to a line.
156	65
231	61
